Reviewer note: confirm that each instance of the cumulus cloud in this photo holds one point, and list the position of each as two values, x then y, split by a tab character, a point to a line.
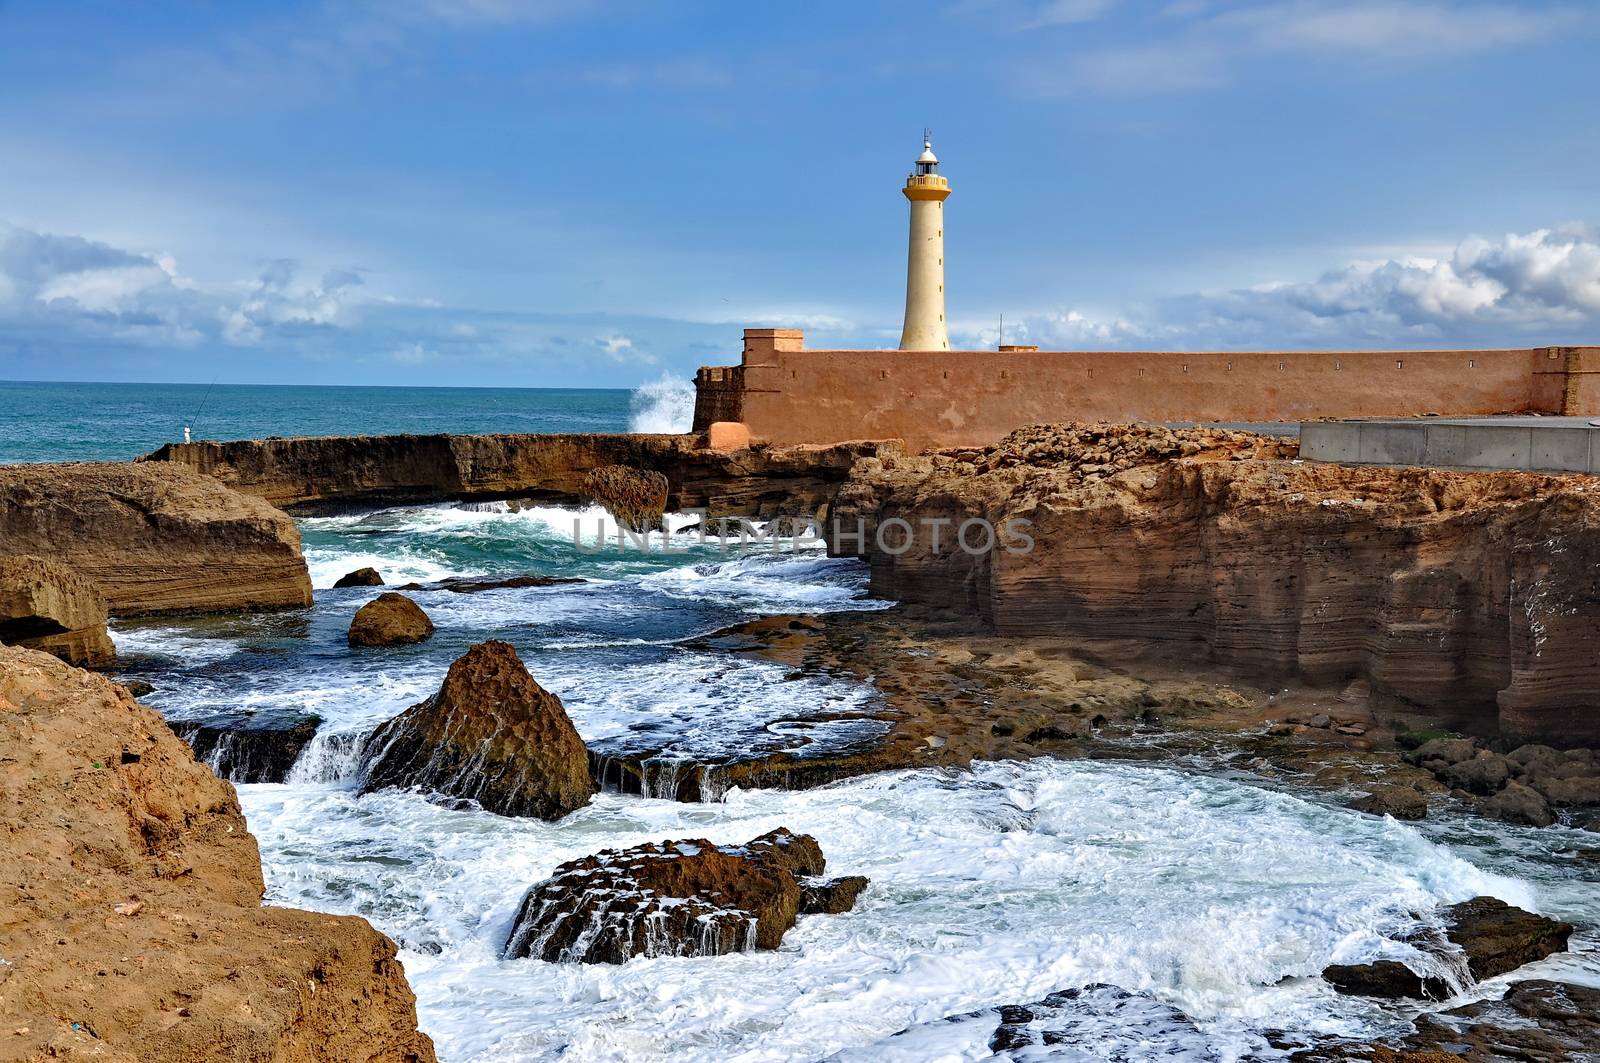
277	301
1541	287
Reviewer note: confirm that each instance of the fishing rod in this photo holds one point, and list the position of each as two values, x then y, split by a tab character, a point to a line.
194	420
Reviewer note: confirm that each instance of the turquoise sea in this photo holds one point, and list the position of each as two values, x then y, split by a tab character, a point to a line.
114	422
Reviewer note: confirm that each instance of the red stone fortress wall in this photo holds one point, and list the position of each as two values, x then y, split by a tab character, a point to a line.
786	394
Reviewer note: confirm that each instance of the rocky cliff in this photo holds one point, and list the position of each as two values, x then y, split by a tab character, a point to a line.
131	923
46	606
154	537
309	475
1473	597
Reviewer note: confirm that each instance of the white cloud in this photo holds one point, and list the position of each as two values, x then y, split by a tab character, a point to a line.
1541	287
621	349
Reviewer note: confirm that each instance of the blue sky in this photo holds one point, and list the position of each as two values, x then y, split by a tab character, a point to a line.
587	192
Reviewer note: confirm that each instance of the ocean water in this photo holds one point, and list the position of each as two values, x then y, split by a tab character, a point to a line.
116	422
1216	895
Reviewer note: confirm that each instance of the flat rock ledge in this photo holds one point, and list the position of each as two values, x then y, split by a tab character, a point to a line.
155	537
1482	938
491	735
134	928
47	606
678	898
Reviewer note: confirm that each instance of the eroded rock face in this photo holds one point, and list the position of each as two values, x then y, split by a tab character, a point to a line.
636	498
1475	596
155	537
676	898
1486	936
390	619
133	902
47	606
492	735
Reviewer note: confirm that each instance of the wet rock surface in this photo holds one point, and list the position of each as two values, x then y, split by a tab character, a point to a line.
491	735
389	620
361	577
1537	1021
1485	936
1401	802
47	606
463	585
246	748
677	898
1532	785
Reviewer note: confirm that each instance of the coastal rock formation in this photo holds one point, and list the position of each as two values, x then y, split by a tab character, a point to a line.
1473	597
361	577
462	585
132	913
154	537
636	499
1401	802
676	898
249	749
1524	786
46	606
492	735
390	619
1485	936
313	475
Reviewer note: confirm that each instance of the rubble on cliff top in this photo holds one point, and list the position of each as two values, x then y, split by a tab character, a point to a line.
1094	451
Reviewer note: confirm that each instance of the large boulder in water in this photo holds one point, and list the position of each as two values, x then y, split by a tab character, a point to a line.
674	898
492	735
47	606
389	620
636	498
1485	935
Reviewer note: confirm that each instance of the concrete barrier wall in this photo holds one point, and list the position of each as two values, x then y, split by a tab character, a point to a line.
1555	447
968	398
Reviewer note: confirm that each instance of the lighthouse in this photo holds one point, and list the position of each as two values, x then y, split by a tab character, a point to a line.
927	190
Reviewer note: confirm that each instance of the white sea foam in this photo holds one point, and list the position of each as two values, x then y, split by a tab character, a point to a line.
666	405
998	885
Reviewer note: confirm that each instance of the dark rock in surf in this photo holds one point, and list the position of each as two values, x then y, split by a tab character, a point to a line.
1487	935
249	749
672	898
1520	804
831	896
1401	802
1083	1018
473	586
361	577
389	620
138	687
492	735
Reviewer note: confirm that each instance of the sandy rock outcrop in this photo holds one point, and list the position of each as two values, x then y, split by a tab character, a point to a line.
1485	936
155	537
130	903
46	606
677	898
390	619
492	735
1474	597
637	499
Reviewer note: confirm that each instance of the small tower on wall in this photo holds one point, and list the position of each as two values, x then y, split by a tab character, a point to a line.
927	190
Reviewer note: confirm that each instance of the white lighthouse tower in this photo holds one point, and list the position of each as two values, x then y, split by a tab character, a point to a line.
927	190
